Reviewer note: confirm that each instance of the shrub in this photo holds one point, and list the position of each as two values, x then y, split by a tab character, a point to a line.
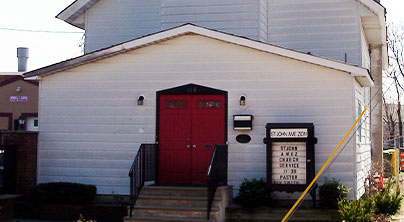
387	202
387	165
254	193
355	210
83	219
63	193
330	192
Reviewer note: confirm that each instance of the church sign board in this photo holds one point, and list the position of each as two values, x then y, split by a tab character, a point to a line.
290	155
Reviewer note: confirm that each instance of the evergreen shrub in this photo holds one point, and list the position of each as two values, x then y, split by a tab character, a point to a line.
355	210
63	193
254	193
387	202
330	192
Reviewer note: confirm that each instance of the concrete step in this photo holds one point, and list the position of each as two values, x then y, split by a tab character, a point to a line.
164	203
168	219
174	191
173	211
179	201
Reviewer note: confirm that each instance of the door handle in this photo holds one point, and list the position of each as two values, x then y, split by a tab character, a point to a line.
194	146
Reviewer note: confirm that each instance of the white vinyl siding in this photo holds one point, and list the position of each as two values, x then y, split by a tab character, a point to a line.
112	22
327	28
239	17
91	126
362	138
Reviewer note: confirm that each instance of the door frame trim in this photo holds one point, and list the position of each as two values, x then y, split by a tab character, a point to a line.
189	89
10	119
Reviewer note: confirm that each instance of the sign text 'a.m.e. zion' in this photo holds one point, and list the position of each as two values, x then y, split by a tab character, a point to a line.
289	133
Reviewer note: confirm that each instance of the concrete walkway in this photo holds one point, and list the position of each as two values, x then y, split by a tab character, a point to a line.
29	220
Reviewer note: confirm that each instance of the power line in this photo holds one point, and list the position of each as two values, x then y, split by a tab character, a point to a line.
44	31
353	134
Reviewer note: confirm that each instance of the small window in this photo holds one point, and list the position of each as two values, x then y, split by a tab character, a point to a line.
32	123
208	104
359	128
1	159
175	104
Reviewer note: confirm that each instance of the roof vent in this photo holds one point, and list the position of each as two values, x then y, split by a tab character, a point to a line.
22	55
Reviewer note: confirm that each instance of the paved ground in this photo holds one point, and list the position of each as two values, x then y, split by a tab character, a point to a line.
27	220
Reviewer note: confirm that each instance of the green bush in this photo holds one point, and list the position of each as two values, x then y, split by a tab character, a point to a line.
83	219
387	202
254	193
63	193
330	192
355	210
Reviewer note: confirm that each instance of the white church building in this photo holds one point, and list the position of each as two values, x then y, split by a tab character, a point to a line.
184	74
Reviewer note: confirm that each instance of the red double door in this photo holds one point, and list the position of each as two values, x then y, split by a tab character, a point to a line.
189	128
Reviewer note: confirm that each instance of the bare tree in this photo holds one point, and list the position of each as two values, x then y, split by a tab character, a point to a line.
389	122
393	117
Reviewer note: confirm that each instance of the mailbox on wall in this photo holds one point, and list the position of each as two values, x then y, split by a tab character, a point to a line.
242	122
290	156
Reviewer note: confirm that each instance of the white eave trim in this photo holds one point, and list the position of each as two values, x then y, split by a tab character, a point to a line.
33	78
365	81
71	12
380	12
355	71
374	6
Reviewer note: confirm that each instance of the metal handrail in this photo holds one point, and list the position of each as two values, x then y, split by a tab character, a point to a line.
217	172
142	170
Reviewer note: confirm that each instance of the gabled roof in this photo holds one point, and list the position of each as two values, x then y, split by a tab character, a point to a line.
76	10
13	78
8	75
361	74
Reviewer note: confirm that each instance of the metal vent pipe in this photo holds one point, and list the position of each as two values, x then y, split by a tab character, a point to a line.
22	55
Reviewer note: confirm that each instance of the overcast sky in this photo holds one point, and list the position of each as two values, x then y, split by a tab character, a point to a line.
49	48
45	48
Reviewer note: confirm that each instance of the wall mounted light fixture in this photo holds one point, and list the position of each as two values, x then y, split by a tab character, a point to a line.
140	100
18	89
21	122
243	100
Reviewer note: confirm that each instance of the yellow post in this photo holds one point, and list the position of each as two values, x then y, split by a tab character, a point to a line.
393	161
324	166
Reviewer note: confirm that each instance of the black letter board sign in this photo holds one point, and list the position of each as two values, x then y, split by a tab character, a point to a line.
290	156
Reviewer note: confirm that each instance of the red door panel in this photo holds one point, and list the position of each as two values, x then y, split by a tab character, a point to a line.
208	125
174	139
189	128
